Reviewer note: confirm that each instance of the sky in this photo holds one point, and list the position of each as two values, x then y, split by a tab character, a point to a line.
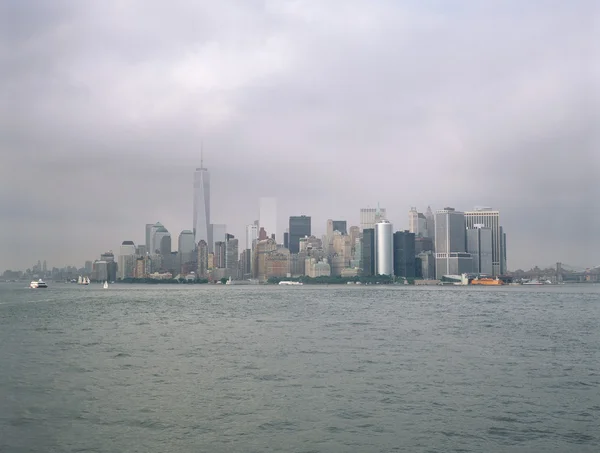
329	106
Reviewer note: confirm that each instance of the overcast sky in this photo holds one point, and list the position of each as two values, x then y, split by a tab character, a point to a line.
328	105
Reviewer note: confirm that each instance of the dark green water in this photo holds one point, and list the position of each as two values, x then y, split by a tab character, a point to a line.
299	369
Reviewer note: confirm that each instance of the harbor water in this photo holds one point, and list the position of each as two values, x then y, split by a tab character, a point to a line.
225	368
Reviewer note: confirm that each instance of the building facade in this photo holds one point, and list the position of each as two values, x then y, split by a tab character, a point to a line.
368	252
490	218
370	216
299	227
201	204
480	247
384	248
404	254
451	257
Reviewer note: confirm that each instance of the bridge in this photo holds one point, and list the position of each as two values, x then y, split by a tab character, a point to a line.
563	273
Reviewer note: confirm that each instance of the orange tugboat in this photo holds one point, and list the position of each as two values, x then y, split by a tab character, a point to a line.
486	281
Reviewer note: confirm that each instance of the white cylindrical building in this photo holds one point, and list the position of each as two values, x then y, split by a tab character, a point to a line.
384	248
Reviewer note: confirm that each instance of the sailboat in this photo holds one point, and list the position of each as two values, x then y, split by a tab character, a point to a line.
80	280
105	286
83	280
86	281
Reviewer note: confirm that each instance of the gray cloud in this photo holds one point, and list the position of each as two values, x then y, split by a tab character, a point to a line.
330	106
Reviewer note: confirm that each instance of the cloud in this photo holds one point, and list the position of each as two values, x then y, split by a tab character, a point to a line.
330	106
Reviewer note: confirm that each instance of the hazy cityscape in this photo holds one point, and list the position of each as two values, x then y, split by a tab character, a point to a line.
362	226
435	246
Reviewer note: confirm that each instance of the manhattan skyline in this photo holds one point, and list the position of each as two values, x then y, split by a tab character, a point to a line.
329	108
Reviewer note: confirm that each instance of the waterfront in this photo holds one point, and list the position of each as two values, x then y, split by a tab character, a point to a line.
323	369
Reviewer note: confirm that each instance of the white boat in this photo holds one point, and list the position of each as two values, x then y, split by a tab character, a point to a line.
105	286
287	282
80	280
83	280
39	284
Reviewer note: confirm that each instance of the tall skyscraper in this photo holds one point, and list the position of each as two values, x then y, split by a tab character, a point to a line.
451	243
202	259
370	216
490	218
404	254
430	218
201	203
300	226
367	262
232	256
251	235
417	223
384	248
127	258
479	245
185	249
151	232
148	237
268	215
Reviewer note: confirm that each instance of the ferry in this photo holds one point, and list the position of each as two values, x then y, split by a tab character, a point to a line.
289	283
39	284
487	281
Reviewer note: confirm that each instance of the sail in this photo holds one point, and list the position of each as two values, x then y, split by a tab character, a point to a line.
79	280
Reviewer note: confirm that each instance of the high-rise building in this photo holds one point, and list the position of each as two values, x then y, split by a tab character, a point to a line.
186	248
450	243
251	235
217	233
148	237
300	226
111	265
384	248
219	254
479	245
268	215
201	203
232	255
404	254
430	218
127	258
417	223
367	262
153	246
202	259
340	225
490	218
370	216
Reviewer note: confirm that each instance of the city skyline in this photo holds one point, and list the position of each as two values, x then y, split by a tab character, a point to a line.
98	141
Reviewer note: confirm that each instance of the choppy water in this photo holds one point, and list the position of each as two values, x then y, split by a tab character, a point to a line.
299	369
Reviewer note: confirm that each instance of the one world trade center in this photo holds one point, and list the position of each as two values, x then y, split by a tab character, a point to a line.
201	203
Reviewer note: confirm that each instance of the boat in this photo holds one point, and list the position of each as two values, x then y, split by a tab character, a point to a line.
487	281
39	284
534	282
105	286
83	280
289	283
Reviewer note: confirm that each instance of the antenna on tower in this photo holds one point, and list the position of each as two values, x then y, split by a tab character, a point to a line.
201	153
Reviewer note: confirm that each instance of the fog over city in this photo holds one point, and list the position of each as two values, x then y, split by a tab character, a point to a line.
330	106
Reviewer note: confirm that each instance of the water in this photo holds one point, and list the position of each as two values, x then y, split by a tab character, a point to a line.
299	369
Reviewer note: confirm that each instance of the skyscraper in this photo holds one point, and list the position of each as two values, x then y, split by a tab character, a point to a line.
384	248
268	215
127	258
370	216
451	257
149	237
404	254
186	248
367	262
479	245
300	227
201	204
417	223
490	219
